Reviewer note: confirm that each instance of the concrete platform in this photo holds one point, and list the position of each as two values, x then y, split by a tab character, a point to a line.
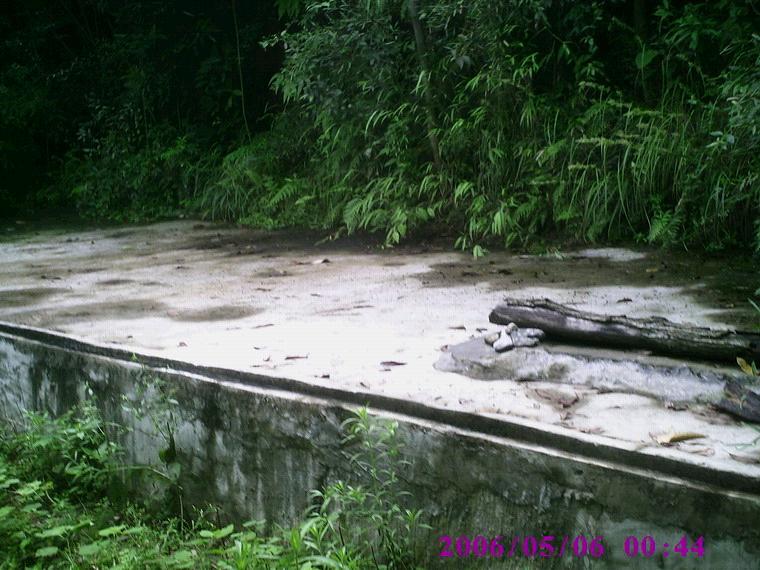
348	316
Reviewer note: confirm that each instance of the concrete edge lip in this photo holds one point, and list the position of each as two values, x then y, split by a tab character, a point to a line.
737	478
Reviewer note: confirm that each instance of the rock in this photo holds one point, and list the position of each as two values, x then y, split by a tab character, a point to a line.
491	338
535	333
504	343
512	336
521	338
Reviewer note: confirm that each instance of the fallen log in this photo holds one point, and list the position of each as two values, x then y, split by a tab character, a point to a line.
655	334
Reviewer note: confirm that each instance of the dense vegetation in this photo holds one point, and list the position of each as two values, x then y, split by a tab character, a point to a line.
59	508
506	121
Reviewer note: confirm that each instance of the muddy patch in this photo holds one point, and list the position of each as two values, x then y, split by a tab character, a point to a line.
271	273
723	284
219	313
90	312
30	295
121	234
114	282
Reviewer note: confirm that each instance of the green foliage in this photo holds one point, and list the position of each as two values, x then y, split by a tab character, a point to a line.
357	523
539	129
502	122
54	510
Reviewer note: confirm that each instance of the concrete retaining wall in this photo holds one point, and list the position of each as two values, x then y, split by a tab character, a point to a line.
255	452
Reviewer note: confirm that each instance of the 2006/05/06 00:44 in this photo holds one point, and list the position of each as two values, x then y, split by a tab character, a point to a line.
550	546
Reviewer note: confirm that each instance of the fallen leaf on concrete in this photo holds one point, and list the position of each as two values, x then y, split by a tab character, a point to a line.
593	430
182	343
50	277
556	397
296	357
750	459
262	289
480	329
652	269
701	450
263	326
392	363
319	261
675	437
488	411
745	366
362	307
458	328
625	300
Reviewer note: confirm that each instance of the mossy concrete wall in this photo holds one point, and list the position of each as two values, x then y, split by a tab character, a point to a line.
255	452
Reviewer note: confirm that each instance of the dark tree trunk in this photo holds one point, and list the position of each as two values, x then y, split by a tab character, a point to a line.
419	42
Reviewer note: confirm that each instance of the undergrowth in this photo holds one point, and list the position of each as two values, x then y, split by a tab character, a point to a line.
57	509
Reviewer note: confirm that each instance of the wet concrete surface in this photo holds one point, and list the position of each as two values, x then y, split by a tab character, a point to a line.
349	314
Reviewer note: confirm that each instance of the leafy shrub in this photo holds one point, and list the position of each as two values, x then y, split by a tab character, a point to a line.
54	510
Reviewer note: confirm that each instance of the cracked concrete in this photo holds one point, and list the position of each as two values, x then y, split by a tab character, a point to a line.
269	303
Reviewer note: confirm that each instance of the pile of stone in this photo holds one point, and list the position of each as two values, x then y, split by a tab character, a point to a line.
513	337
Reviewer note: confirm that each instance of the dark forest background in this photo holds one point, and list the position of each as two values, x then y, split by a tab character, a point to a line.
496	122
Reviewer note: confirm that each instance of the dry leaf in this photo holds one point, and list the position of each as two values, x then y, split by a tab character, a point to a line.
295	357
458	328
745	366
182	343
392	363
674	437
263	326
701	450
749	459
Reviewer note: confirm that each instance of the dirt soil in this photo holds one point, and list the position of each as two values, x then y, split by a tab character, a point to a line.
352	315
